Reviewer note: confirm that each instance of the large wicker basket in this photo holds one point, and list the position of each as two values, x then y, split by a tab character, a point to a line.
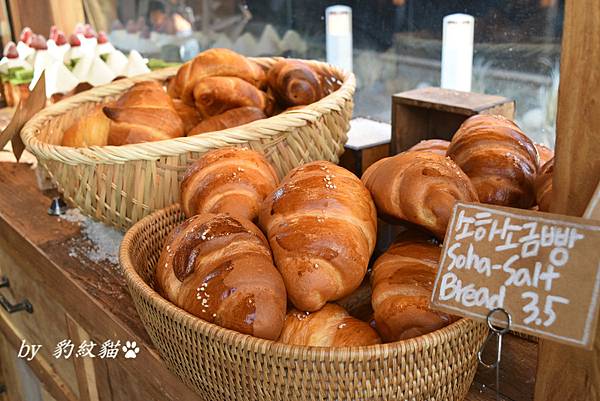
221	364
121	184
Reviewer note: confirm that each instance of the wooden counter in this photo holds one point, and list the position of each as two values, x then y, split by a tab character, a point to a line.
78	299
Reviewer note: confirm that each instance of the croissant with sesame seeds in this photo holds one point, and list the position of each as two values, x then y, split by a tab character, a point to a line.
322	226
331	326
219	268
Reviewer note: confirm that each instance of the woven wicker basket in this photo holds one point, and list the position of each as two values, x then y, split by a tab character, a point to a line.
121	184
221	364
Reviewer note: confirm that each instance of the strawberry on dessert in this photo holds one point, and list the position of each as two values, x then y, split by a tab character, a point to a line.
74	53
59	46
89	32
104	47
24	41
74	40
10	51
26	35
61	39
38	42
89	38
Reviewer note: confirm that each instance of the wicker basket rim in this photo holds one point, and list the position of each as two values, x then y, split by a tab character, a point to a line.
256	130
263	346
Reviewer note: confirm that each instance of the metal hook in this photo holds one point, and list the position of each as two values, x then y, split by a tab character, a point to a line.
497	331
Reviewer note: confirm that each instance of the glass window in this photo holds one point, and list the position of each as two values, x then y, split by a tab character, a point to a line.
397	43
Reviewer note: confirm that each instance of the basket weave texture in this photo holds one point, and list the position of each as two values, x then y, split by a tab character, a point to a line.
121	184
221	364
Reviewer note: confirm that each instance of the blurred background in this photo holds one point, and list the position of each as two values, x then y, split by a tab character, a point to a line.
397	43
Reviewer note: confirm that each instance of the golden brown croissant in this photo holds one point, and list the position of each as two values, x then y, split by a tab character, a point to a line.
214	63
499	158
321	223
402	282
188	114
438	146
545	153
175	84
216	95
219	268
419	187
227	180
331	326
543	186
230	119
144	113
296	83
90	130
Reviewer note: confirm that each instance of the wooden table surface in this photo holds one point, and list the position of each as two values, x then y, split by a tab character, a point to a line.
23	211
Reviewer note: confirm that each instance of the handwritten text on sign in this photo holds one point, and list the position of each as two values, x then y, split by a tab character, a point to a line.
544	272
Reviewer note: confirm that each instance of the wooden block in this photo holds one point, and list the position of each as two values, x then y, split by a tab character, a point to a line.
368	141
436	113
358	160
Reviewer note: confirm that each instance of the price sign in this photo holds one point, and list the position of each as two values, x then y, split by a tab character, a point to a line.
542	269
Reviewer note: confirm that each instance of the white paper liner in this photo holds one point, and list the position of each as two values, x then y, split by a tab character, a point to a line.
136	64
117	62
24	50
76	52
58	79
100	73
82	68
104	48
41	60
59	52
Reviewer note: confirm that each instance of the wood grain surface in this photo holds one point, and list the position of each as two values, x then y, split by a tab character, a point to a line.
567	373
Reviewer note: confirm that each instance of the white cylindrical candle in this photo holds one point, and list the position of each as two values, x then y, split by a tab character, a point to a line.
457	52
338	27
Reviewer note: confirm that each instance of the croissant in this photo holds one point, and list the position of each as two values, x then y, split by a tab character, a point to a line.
322	224
144	113
214	63
438	146
543	186
419	187
295	83
331	326
91	130
188	114
230	119
499	158
227	180
175	84
216	95
402	282
219	268
545	153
